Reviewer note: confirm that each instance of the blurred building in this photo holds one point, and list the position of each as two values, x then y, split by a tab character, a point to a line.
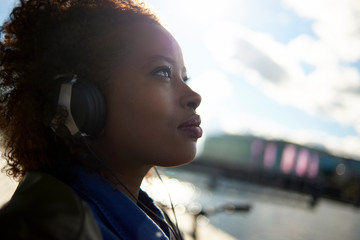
283	165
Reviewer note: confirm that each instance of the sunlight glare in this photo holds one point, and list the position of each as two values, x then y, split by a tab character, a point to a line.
206	10
182	193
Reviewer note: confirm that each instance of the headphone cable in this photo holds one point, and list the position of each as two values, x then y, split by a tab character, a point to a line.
171	202
176	232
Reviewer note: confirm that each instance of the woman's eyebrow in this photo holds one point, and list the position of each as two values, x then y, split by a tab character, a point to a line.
167	59
162	58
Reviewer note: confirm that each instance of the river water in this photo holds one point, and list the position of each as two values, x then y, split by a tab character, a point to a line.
274	214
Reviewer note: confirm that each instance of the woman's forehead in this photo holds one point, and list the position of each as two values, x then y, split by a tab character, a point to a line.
151	38
152	42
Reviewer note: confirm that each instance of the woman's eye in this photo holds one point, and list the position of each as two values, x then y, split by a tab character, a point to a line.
162	72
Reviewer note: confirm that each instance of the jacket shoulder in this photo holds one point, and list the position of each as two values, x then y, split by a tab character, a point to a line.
43	207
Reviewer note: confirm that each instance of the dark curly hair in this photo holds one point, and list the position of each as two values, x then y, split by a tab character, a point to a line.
41	40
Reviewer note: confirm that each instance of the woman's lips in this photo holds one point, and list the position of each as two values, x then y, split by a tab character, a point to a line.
192	127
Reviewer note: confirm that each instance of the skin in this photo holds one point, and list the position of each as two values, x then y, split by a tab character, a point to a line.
148	99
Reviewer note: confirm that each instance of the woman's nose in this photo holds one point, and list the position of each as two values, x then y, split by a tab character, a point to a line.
191	100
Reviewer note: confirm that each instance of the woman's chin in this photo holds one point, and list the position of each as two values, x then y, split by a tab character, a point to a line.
174	162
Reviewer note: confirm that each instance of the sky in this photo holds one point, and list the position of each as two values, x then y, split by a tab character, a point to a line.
279	69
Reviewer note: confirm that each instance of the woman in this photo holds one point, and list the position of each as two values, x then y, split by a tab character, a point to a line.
94	95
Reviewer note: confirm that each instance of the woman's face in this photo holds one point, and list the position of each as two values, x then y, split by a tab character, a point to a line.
151	110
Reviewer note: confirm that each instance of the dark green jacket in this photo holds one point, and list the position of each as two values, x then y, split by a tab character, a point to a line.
43	207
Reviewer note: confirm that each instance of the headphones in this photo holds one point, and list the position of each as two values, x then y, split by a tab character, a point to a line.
85	106
86	116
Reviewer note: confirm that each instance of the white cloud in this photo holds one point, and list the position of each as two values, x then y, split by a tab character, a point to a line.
331	89
336	23
203	11
337	26
245	123
212	85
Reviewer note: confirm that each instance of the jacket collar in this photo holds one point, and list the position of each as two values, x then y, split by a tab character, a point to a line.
126	218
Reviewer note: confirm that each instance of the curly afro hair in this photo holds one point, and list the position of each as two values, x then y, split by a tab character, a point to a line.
45	38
